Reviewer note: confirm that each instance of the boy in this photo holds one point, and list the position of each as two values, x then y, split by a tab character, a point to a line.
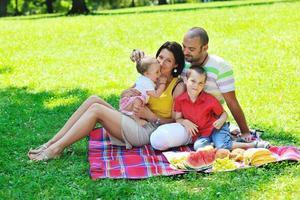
203	116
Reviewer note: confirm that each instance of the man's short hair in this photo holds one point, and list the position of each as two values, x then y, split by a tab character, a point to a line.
198	69
199	32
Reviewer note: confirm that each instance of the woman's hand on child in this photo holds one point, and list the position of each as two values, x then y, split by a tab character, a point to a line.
131	92
218	124
190	127
144	112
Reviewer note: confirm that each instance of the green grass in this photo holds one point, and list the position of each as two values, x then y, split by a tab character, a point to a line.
50	63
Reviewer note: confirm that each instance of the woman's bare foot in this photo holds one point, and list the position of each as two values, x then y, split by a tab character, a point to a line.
47	154
38	149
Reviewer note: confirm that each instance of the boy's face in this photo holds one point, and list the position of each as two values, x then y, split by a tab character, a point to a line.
195	84
153	72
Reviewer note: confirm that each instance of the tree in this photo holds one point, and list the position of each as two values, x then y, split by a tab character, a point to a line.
49	6
17	12
132	3
161	2
3	7
78	7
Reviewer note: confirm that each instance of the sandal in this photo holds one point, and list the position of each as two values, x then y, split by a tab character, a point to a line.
262	144
44	156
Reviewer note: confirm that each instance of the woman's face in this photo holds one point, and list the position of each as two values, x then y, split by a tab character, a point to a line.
167	63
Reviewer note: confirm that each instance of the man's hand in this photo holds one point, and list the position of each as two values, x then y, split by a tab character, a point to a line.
136	55
246	136
190	127
131	92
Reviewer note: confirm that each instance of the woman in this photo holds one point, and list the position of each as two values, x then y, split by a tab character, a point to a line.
122	129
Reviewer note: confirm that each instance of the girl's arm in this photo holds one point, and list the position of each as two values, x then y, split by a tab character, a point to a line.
156	93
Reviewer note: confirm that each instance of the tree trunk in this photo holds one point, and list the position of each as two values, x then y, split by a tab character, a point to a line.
78	7
17	12
3	7
132	3
161	2
49	6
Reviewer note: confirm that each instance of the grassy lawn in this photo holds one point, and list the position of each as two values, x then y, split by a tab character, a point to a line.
50	64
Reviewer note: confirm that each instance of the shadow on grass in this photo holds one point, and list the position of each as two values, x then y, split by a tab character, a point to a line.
37	112
158	10
280	137
28	118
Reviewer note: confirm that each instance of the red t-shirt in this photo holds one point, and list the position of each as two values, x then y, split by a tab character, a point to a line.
203	112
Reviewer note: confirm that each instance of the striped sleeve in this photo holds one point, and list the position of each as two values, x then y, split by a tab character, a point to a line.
225	79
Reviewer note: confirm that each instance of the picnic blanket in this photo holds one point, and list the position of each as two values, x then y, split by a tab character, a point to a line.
109	161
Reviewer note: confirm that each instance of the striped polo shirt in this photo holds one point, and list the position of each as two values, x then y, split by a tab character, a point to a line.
219	77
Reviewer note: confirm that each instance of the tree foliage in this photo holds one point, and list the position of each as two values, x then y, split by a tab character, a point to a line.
28	7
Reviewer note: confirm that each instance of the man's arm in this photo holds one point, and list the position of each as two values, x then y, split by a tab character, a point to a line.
237	112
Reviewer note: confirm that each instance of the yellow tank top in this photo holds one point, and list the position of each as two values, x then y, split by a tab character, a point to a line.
163	105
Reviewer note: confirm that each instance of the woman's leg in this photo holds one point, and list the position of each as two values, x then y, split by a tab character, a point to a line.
71	121
109	118
168	136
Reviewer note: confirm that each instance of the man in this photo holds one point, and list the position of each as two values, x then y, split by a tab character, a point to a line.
220	82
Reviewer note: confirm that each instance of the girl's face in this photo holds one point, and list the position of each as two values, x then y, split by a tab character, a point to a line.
153	72
167	62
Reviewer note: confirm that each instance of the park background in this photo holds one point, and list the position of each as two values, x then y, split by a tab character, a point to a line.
50	63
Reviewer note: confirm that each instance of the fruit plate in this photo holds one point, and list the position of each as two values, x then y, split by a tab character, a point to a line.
177	161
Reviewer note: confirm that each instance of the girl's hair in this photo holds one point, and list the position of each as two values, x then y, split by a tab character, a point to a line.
143	65
176	49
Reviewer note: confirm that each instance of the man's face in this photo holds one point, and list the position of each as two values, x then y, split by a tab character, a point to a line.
195	84
193	49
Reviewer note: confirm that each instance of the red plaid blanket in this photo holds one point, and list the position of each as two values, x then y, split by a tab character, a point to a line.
108	161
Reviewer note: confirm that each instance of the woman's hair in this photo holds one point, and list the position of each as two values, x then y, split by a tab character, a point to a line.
176	49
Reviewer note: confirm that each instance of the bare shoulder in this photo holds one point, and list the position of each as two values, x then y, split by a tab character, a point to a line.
179	89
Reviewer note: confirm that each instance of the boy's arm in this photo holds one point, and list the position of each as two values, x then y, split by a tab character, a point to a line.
188	125
222	119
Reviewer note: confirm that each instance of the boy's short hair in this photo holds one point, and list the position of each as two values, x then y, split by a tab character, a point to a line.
143	64
197	68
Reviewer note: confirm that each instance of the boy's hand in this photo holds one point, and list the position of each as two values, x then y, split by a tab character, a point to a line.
190	127
218	123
